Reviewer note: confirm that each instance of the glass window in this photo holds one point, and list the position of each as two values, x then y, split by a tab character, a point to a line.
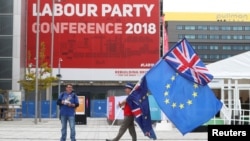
199	36
5	84
204	47
190	36
202	36
237	37
247	37
180	36
5	46
247	47
199	47
234	48
226	47
214	37
237	28
189	27
202	56
213	47
6	25
205	56
238	47
214	56
247	28
179	27
6	68
202	27
225	37
225	28
6	6
224	56
213	27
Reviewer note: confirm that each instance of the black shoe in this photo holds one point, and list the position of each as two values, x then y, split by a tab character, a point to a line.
108	140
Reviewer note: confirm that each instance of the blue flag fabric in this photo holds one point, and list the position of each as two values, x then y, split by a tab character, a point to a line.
186	103
139	103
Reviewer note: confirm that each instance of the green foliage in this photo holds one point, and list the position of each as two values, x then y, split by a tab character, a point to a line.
45	79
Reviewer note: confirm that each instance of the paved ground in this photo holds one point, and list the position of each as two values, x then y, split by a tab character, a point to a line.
96	129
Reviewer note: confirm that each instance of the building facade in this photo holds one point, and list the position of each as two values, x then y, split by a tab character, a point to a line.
214	36
95	60
12	43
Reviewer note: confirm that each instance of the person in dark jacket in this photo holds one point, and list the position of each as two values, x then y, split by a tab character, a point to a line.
68	101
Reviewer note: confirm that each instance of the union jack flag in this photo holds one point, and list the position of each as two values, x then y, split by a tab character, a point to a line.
139	104
137	112
185	61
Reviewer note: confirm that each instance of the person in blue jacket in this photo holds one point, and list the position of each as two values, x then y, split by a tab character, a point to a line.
68	101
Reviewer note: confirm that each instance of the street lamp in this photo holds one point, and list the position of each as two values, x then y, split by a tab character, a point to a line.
37	57
59	80
51	54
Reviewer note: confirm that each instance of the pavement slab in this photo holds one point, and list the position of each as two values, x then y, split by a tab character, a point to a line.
96	129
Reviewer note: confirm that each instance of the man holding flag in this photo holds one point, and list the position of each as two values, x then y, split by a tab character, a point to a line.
136	106
128	122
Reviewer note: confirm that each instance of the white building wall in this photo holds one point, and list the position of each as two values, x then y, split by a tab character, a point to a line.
16	68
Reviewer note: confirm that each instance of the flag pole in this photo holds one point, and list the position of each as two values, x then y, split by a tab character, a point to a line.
116	116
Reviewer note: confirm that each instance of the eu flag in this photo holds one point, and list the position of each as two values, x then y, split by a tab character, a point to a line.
178	83
139	104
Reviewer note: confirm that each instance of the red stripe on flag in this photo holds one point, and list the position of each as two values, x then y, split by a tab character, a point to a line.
137	112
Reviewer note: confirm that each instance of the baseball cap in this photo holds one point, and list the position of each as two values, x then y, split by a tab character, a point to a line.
129	85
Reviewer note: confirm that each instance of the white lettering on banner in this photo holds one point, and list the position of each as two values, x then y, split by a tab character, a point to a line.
126	10
97	28
78	28
147	65
67	10
129	73
88	10
138	28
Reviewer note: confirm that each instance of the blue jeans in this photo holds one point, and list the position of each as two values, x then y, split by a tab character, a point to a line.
71	120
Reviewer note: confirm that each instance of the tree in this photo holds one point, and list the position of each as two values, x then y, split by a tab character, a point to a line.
45	79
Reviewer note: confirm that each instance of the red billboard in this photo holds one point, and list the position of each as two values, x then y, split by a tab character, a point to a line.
98	35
